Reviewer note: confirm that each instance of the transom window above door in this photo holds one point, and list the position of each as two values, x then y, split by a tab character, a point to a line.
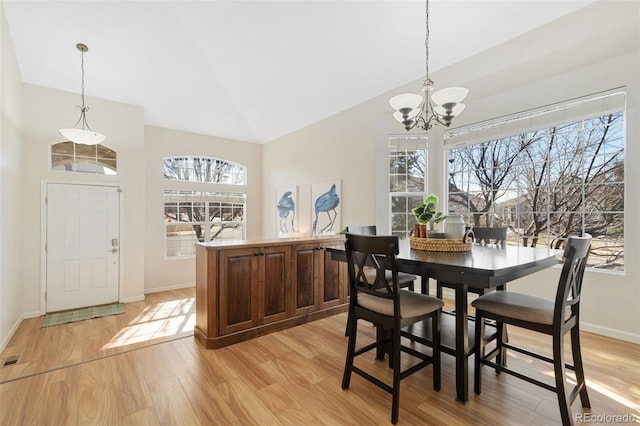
74	157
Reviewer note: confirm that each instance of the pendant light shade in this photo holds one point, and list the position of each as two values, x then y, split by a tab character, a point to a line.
83	135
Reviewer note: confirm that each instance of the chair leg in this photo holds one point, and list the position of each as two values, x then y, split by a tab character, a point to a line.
577	363
480	344
352	328
560	376
396	376
501	337
435	332
411	286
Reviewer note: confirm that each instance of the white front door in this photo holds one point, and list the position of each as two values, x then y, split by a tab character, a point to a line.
83	245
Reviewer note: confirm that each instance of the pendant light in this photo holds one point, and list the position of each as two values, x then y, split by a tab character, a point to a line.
83	135
427	110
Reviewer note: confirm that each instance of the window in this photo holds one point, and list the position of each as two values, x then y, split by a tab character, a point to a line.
74	157
192	216
547	184
204	169
407	181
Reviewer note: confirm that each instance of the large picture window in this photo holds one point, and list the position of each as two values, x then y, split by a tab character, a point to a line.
407	181
192	216
547	184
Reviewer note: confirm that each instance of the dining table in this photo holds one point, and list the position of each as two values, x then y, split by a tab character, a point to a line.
483	268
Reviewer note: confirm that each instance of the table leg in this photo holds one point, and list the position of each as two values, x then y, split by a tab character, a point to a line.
424	284
462	344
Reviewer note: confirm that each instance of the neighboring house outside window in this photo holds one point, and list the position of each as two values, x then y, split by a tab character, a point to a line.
198	215
407	181
547	184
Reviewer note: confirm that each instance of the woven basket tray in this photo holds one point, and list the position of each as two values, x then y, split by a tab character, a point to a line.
439	244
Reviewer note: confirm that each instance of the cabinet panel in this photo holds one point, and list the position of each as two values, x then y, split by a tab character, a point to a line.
332	282
305	278
274	295
239	281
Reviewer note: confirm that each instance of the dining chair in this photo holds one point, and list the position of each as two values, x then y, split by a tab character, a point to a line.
379	300
551	317
491	235
404	280
486	236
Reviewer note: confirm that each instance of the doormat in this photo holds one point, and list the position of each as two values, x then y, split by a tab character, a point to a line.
58	318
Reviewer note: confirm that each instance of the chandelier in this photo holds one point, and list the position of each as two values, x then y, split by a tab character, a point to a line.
85	135
429	109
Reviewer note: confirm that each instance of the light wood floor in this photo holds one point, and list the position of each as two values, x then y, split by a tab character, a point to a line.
144	367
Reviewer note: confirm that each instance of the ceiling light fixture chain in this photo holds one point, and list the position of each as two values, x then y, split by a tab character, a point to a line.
85	135
429	109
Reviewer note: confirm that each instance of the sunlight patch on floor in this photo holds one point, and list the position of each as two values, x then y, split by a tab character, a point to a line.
175	318
609	393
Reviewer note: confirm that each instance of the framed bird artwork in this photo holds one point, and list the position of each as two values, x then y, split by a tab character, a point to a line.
287	210
325	208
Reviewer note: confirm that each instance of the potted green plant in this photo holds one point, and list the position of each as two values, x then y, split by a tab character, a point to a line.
426	213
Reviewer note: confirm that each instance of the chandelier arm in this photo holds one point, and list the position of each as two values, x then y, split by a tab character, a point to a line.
84	119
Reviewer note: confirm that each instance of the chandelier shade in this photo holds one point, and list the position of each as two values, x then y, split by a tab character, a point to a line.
450	94
83	135
425	111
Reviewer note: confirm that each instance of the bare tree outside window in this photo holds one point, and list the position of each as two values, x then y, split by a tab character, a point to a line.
204	169
192	217
548	184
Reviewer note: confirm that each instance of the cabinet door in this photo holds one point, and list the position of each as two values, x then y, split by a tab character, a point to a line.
332	281
275	300
305	277
238	280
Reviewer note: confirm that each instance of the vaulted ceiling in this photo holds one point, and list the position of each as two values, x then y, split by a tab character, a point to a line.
255	70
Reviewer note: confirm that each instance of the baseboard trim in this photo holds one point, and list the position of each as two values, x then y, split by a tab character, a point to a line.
169	288
610	332
5	342
133	299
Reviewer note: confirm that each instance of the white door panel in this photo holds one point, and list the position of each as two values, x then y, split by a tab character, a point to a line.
82	246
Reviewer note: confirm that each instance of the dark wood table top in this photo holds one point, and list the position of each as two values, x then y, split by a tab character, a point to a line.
482	267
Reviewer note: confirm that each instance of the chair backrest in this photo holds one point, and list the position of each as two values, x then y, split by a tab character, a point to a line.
496	236
366	252
362	230
576	254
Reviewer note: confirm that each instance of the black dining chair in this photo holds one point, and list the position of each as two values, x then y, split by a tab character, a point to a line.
491	235
553	318
404	280
378	299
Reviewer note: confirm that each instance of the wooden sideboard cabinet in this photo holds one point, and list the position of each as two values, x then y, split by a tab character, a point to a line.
248	289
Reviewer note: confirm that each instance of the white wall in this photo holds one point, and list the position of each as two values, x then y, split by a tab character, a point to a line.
595	49
10	202
44	111
163	274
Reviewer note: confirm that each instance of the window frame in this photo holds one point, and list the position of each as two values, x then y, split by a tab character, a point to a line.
578	111
205	198
405	143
